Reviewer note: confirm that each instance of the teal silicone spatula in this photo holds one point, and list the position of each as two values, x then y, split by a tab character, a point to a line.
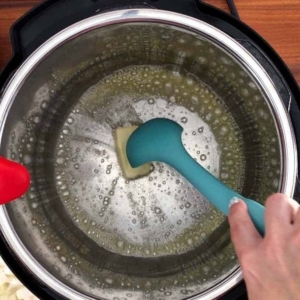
160	140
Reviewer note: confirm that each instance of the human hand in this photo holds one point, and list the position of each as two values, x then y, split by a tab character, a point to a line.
270	265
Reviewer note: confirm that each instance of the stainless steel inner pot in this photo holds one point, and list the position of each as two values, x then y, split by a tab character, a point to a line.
84	230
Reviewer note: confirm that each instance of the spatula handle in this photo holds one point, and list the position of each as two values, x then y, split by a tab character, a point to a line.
212	188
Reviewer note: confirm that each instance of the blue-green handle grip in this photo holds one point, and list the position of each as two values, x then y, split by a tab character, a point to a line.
160	140
211	188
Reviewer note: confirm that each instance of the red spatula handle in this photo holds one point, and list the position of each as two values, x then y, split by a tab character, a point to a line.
14	180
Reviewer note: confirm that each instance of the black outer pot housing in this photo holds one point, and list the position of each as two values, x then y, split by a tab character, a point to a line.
50	17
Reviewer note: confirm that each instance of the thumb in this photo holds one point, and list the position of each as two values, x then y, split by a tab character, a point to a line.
243	232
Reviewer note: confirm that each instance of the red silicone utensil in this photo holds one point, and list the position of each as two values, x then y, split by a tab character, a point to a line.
14	180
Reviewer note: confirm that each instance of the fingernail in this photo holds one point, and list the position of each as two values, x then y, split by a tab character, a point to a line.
233	201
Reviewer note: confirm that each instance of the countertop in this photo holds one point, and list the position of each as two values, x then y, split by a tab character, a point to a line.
278	21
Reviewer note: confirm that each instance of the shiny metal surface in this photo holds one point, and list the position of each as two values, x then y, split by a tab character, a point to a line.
288	148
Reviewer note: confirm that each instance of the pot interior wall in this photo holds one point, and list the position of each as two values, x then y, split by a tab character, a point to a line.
156	237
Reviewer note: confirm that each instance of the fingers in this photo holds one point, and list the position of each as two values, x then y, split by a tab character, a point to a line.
295	209
280	213
243	232
297	217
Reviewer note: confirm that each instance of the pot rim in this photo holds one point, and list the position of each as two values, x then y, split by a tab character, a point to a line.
284	127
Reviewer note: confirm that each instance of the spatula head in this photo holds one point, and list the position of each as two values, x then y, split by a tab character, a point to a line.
155	140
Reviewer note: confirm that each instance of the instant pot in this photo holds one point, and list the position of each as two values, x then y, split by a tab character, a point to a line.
82	68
